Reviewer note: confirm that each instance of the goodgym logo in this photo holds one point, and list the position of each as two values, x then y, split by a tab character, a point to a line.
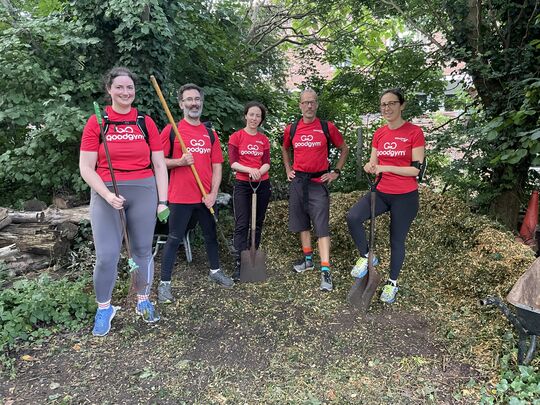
251	150
124	134
197	146
195	142
307	141
390	150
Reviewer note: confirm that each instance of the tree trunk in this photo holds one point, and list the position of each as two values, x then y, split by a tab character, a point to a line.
505	208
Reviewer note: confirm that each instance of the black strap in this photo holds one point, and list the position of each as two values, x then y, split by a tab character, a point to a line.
207	125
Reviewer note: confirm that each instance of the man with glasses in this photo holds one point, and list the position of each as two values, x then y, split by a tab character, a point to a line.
310	175
184	195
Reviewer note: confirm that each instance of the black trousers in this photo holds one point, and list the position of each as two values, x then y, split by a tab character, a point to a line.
403	209
242	212
178	224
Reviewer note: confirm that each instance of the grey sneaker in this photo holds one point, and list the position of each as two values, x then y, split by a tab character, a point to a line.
389	293
302	265
326	281
164	293
221	279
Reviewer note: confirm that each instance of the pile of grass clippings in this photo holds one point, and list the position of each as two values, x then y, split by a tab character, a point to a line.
454	258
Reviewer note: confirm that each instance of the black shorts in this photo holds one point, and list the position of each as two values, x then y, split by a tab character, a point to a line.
317	211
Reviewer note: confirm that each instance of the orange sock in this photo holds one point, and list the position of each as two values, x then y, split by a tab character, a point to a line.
325	266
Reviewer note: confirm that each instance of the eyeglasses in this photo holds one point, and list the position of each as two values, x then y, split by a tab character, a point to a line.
390	104
191	100
309	102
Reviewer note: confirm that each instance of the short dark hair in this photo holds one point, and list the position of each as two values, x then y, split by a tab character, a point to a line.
112	74
396	92
189	86
256	104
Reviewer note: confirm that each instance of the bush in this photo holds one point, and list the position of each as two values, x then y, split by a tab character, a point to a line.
33	309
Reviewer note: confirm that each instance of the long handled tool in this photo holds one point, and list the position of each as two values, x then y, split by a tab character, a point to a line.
362	291
133	267
252	260
177	133
184	150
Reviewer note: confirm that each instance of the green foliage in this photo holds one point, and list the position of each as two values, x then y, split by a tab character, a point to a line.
51	67
515	386
33	309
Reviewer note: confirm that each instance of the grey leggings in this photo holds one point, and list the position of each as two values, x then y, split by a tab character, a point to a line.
140	207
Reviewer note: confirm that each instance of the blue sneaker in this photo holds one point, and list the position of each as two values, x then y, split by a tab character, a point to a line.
147	311
102	323
361	267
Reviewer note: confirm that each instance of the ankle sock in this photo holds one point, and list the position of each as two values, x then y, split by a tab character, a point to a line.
393	282
165	282
141	298
214	271
325	266
308	253
104	305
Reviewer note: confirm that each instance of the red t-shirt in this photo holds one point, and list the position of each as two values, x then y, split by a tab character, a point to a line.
310	151
394	148
129	151
250	151
183	188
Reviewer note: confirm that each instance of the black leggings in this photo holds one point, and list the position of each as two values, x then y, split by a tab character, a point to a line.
242	212
403	209
178	222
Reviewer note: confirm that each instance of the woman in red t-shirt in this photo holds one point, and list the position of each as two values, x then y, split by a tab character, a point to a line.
396	155
132	156
249	156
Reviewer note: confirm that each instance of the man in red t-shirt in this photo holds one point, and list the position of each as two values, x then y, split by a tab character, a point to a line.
310	174
185	198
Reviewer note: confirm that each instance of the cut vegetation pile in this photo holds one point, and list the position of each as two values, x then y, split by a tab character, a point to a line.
454	258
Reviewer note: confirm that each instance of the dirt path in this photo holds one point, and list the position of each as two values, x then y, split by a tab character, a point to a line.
284	342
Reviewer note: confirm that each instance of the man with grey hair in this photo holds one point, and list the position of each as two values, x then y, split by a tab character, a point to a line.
310	174
185	199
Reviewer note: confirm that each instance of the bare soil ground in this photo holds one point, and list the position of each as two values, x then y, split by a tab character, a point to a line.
282	342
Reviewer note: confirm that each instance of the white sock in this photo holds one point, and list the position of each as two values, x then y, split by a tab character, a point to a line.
214	271
394	282
165	282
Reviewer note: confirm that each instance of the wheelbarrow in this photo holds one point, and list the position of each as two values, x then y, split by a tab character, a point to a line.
525	298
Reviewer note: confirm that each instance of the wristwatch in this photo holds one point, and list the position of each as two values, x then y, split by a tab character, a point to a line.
163	202
337	171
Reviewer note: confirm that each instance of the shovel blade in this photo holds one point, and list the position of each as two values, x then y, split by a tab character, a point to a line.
357	290
252	266
364	289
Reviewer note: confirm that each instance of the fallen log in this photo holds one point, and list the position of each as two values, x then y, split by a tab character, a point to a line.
31	241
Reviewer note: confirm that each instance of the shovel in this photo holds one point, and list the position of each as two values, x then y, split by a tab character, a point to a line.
253	261
363	289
